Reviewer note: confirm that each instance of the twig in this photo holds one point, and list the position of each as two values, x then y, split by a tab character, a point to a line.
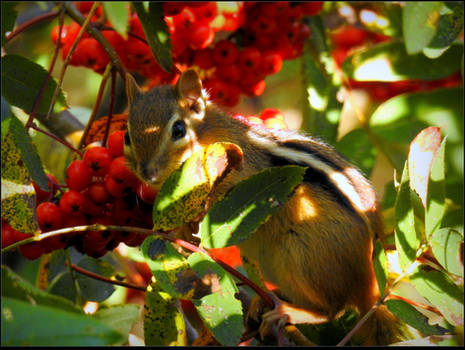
42	18
38	99
164	235
107	280
56	138
415	303
112	103
70	54
97	103
80	19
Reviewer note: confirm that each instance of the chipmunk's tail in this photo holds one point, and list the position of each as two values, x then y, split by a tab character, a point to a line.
381	328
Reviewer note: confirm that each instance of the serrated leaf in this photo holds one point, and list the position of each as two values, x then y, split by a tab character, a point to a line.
120	317
440	291
21	82
420	159
51	326
220	311
18	195
380	266
413	317
9	14
390	62
170	269
90	288
248	205
118	15
406	236
356	147
14	286
163	322
63	285
184	194
447	249
156	32
436	196
449	27
419	24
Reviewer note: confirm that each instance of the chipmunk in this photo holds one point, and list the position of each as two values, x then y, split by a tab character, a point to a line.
317	248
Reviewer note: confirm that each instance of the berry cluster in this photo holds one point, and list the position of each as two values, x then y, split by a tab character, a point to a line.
270	118
235	45
101	190
348	38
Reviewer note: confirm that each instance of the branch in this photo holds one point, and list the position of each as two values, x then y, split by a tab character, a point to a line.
42	18
107	280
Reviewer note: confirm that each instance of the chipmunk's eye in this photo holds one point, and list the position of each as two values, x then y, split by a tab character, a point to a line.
179	130
127	141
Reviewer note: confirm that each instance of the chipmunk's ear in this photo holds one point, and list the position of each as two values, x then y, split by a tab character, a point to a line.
189	87
132	89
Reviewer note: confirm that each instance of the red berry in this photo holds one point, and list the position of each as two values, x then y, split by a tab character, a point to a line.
311	8
73	202
120	172
203	59
225	52
97	193
116	189
98	159
172	8
348	36
201	36
206	13
184	20
116	143
8	234
91	54
146	192
249	59
49	216
32	251
78	175
271	63
45	195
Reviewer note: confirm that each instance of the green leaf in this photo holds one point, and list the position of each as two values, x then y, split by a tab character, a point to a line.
118	15
90	288
185	192
248	205
357	147
406	237
9	14
413	317
156	32
419	24
51	326
16	287
449	27
390	62
170	269
21	82
28	153
63	285
163	322
120	317
18	195
380	265
447	249
436	196
440	291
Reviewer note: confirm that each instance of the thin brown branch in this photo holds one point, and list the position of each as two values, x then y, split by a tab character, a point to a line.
112	104
107	280
41	18
56	138
415	303
70	54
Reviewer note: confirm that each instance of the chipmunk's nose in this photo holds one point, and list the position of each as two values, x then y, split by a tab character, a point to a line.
149	174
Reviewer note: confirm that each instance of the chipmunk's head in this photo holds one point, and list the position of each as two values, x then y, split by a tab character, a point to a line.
161	126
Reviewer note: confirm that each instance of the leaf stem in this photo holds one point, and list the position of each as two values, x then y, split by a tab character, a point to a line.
41	18
56	138
105	279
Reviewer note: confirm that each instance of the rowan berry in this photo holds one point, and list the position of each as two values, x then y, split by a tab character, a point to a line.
49	216
73	202
116	143
98	159
78	175
225	52
42	195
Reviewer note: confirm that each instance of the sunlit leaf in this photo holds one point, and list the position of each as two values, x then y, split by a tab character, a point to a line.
184	194
419	24
118	14
52	326
447	249
406	236
440	291
163	322
248	205
380	266
413	317
390	62
435	198
22	80
170	269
